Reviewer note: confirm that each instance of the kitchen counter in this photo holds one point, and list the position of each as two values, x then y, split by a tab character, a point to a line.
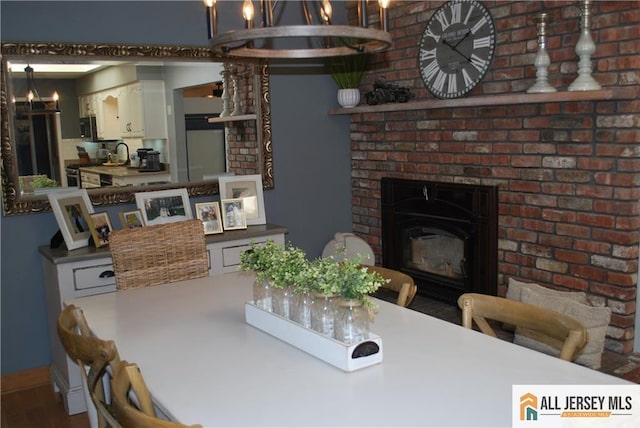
94	176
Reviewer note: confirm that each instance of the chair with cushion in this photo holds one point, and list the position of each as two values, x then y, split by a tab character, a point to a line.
399	282
562	331
132	405
94	356
159	254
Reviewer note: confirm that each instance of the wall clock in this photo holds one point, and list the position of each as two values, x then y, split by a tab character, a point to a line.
456	48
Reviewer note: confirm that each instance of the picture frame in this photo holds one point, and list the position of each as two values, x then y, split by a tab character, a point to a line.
72	210
233	216
100	228
164	206
131	219
209	214
249	188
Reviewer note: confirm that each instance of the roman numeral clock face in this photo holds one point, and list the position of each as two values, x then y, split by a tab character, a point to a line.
456	48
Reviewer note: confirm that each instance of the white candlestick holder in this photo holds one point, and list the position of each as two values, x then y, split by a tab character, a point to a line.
237	107
225	94
541	60
584	49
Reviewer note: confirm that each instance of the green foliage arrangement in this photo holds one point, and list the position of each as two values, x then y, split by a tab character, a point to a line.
274	263
289	266
348	71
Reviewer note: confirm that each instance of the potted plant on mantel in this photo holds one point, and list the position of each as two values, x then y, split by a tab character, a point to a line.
347	72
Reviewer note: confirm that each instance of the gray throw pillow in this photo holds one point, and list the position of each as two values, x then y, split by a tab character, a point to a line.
595	320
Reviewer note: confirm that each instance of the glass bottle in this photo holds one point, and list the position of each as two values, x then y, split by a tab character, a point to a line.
352	322
301	312
323	314
263	295
283	301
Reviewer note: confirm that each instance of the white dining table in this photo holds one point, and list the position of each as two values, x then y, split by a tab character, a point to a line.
204	364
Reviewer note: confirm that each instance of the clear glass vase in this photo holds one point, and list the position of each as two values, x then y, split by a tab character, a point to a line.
301	312
352	321
283	301
323	314
263	295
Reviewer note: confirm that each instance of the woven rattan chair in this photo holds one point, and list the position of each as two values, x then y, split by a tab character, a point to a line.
399	282
94	355
159	254
132	405
565	333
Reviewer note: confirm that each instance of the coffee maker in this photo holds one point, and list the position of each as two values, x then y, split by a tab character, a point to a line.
149	159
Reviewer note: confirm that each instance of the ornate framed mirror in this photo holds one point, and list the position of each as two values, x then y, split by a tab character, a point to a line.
257	127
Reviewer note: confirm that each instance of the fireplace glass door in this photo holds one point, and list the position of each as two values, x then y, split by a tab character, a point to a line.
435	251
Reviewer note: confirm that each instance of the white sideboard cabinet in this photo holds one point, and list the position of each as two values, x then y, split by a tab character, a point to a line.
88	271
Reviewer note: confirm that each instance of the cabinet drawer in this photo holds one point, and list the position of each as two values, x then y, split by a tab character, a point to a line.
90	277
231	255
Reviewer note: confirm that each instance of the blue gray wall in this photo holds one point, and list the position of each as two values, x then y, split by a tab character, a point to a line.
311	151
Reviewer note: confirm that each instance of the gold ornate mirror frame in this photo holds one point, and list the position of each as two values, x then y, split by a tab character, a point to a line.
13	202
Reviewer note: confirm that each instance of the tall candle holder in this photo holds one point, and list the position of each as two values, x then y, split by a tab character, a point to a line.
225	94
584	49
237	107
541	60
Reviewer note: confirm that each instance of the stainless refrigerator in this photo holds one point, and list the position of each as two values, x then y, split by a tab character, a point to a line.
205	147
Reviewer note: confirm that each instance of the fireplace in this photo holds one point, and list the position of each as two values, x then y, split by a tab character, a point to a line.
444	235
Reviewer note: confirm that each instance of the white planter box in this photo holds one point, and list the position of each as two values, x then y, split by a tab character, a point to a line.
336	353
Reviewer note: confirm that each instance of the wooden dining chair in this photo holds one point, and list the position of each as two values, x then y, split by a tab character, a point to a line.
399	282
132	404
562	331
159	254
94	356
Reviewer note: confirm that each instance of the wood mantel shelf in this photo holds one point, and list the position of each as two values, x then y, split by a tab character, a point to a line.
618	93
232	118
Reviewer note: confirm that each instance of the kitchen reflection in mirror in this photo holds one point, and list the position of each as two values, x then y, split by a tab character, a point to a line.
121	124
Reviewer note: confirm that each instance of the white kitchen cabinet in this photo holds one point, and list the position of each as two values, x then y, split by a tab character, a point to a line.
141	110
89	180
88	271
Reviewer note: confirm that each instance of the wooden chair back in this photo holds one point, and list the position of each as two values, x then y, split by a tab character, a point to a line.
128	382
92	353
399	282
159	254
567	334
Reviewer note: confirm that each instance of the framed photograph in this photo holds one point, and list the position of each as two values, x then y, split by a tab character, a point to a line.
131	219
164	206
72	211
233	216
249	188
209	214
100	228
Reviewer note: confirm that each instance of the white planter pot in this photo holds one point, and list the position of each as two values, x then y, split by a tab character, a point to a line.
348	98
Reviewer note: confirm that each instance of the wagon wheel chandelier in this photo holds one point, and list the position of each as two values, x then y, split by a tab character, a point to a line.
317	37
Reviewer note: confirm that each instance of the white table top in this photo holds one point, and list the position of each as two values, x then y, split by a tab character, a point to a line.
204	364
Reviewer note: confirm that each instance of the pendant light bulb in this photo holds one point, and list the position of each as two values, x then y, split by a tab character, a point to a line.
247	13
326	11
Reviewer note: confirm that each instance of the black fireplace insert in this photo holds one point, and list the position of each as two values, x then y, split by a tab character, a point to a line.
444	235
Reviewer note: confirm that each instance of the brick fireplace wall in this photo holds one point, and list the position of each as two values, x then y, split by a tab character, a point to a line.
568	173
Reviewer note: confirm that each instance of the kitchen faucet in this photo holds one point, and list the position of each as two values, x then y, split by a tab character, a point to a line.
126	147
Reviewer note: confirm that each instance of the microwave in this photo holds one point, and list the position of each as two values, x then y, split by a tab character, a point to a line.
88	128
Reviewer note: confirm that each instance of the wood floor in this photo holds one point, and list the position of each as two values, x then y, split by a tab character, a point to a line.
37	407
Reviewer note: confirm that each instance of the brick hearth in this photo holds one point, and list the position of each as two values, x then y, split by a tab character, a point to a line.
568	173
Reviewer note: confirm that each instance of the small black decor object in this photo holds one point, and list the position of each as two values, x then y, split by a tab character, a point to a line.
56	240
384	93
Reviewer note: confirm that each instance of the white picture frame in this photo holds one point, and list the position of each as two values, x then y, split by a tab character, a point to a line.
164	206
72	211
233	215
248	188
